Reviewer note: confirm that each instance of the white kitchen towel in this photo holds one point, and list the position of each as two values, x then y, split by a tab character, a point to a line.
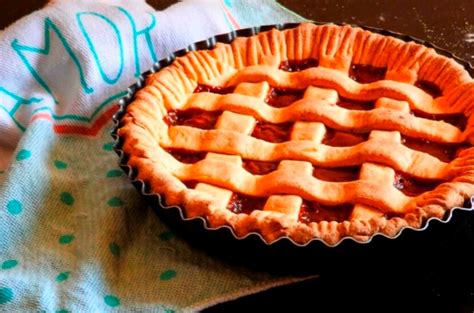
69	62
75	236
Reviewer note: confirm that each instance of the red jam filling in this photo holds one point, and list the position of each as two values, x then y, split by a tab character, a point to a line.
316	212
298	65
245	204
279	97
355	105
366	74
193	117
259	167
458	119
272	132
341	174
429	87
191	184
282	97
336	138
467	203
213	89
411	186
186	156
444	152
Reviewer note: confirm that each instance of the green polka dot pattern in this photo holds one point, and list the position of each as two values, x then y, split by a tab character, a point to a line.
23	155
14	207
66	239
114	248
115	202
114	173
60	165
108	146
167	275
166	235
62	276
8	264
6	295
112	300
67	198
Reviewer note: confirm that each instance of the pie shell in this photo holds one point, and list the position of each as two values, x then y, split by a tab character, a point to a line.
137	130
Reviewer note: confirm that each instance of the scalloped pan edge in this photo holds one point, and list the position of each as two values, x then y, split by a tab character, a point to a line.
227	38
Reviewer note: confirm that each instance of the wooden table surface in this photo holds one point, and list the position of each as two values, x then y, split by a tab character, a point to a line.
448	285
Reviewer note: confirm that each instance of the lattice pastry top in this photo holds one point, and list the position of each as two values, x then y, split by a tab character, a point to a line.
311	132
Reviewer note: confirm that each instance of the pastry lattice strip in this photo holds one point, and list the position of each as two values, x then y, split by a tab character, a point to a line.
333	116
226	140
382	174
345	86
287	204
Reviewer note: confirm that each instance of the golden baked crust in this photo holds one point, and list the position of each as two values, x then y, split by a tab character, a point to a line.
251	65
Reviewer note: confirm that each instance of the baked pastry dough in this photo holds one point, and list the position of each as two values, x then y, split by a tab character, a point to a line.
312	132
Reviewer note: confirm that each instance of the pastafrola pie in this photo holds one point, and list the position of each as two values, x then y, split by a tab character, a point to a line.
311	132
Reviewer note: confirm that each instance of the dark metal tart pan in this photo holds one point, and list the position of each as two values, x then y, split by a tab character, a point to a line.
284	255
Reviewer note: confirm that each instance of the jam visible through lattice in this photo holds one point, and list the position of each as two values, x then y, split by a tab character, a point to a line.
366	74
298	65
311	211
193	117
336	138
272	132
245	204
444	152
259	167
281	97
411	186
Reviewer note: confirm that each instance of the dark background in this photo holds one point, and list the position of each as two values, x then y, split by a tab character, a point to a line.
436	276
448	24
